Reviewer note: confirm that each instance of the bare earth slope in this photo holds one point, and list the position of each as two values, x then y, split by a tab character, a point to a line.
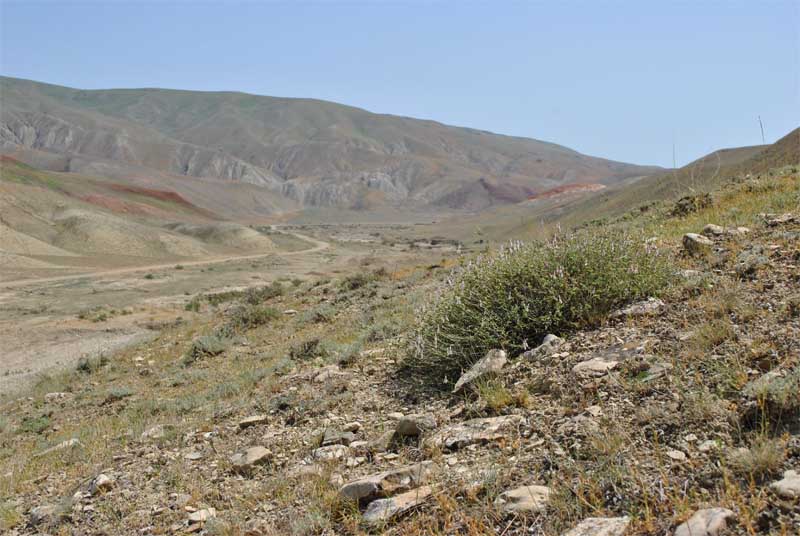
311	152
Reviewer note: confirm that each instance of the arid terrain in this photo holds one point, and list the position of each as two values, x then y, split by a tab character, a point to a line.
227	314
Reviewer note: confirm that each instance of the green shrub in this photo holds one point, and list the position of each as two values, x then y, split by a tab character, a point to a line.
35	425
207	345
246	317
524	292
358	280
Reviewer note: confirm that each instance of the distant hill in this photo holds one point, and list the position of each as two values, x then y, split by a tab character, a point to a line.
304	152
576	205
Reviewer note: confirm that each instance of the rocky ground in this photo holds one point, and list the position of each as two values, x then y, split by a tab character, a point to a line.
678	415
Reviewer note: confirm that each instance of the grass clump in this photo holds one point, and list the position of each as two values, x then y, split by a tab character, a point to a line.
523	293
249	316
207	345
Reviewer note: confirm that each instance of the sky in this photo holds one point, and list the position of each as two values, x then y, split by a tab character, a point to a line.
619	79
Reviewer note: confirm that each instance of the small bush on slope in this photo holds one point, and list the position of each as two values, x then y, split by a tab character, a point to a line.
527	291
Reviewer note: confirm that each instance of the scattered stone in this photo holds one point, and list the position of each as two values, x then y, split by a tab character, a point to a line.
382	510
706	522
549	345
201	516
328	373
491	363
388	482
713	230
331	452
354	427
774	221
595	367
415	425
647	307
47	515
676	455
474	431
193	456
247	460
101	484
789	486
52	398
382	443
255	420
531	499
68	444
696	244
290	312
656	371
708	445
158	431
395	416
334	437
600	526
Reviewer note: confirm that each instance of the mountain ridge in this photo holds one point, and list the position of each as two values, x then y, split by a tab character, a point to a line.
308	152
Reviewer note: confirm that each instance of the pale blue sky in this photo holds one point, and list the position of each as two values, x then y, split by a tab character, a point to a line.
613	79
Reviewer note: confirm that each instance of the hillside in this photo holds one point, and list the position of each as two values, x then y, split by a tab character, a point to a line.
294	411
576	206
307	152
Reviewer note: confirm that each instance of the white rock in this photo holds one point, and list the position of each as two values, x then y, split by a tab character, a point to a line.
381	510
595	367
474	431
203	515
101	484
694	243
706	522
388	482
676	455
524	499
331	452
491	363
248	459
789	486
252	421
547	347
600	526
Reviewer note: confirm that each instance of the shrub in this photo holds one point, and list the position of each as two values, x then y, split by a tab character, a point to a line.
34	425
88	365
527	291
356	281
764	457
207	345
246	317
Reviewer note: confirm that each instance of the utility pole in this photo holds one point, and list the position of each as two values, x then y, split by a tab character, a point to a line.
763	141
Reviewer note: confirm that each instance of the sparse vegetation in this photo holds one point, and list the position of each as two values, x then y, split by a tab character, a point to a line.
527	291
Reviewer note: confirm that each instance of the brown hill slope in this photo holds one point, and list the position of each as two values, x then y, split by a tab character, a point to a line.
313	152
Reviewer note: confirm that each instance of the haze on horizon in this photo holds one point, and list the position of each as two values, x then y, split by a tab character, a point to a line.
620	80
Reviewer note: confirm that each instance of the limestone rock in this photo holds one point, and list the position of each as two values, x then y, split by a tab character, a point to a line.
789	486
57	398
381	510
334	437
695	244
158	431
203	515
101	484
548	346
647	307
706	522
491	363
247	460
415	425
388	482
331	452
595	367
529	499
474	431
600	526
254	420
713	230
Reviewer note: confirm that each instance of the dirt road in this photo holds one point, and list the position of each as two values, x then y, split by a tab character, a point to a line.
319	245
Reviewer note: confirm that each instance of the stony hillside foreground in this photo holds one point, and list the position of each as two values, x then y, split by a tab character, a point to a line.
288	413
